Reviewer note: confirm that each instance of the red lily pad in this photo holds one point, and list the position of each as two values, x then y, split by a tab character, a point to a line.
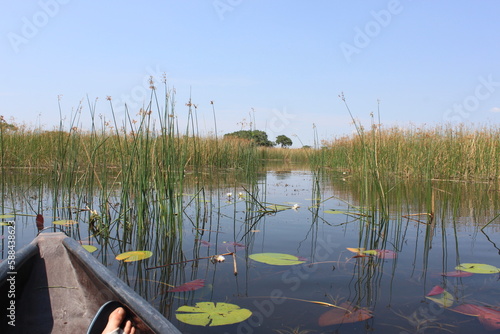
39	222
437	290
457	273
490	318
344	314
205	243
189	286
386	254
236	245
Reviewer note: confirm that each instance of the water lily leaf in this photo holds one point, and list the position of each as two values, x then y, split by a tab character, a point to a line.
205	243
437	290
210	314
457	273
490	318
7	216
235	245
65	222
444	299
277	259
468	309
370	252
355	250
90	248
134	256
277	207
189	286
343	314
334	212
39	222
5	223
381	253
478	268
386	254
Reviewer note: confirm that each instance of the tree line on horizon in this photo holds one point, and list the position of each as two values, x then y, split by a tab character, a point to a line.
260	138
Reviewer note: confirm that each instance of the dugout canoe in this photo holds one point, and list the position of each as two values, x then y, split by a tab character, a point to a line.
59	287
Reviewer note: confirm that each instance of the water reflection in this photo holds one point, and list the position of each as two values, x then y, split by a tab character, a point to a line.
431	226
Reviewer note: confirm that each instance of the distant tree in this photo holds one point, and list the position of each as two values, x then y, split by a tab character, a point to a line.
284	141
257	136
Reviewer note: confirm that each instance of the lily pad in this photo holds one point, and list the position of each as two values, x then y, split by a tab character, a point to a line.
277	207
437	290
189	286
334	212
457	273
65	222
355	250
444	299
381	253
478	268
7	216
277	259
211	314
370	252
90	248
134	256
386	254
345	313
490	318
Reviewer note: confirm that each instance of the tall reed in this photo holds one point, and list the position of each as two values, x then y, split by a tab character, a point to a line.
440	152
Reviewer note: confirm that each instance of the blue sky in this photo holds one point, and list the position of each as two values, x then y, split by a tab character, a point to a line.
279	63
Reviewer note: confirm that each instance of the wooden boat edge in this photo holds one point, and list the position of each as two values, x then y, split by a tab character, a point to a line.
118	290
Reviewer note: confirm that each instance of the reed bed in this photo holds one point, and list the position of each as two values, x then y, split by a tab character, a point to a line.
103	150
126	181
441	152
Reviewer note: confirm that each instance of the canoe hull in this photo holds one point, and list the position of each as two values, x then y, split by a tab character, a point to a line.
59	287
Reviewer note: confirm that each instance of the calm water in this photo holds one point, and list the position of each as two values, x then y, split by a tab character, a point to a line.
281	297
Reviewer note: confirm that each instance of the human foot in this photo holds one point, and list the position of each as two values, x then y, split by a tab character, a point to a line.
115	320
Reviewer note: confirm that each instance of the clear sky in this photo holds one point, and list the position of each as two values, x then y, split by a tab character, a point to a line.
280	63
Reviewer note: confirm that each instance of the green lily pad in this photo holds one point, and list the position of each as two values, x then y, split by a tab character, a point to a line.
334	212
90	248
134	256
210	314
444	299
370	252
7	216
65	222
478	268
277	207
277	259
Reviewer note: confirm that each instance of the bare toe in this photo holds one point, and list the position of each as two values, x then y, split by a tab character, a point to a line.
115	319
